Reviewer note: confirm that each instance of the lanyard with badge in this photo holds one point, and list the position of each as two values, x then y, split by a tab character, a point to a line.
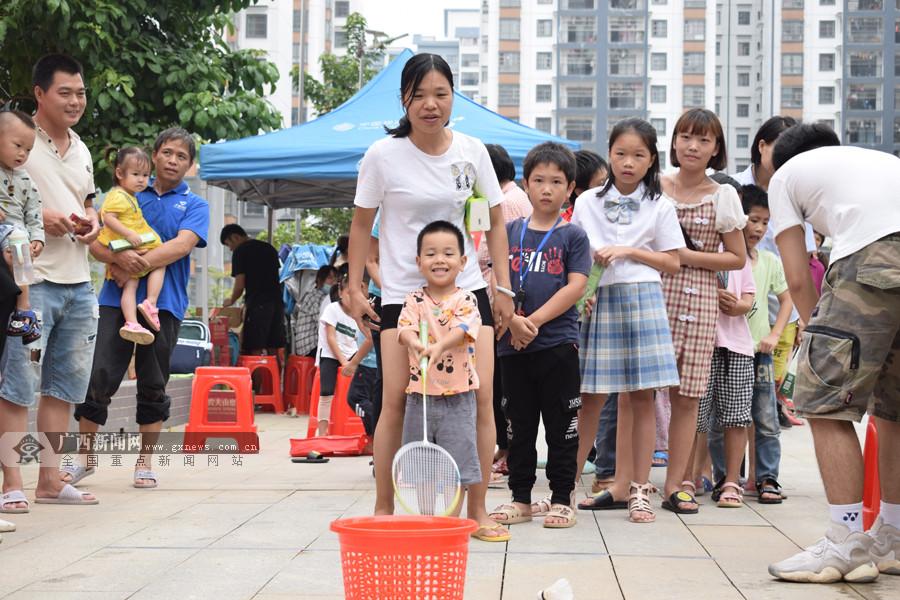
523	272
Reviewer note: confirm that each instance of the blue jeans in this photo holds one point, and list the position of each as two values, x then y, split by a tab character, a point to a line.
62	368
605	442
766	430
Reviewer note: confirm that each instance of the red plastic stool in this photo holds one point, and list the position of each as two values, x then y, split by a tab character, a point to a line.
871	485
340	410
270	394
200	427
298	382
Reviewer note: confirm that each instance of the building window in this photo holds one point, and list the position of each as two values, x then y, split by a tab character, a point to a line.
579	97
743	48
694	62
252	209
257	25
695	30
468	79
544	61
626	4
792	31
865	5
743	109
509	62
579	130
579	61
743	79
826	62
826	2
792	64
509	29
897	62
626	62
867	30
545	27
897	134
694	96
742	140
826	29
865	63
510	3
659	28
626	95
470	60
897	95
508	94
863	131
864	96
659	125
658	94
341	8
792	97
792	4
743	17
543	93
626	30
826	95
542	124
718	78
659	61
340	38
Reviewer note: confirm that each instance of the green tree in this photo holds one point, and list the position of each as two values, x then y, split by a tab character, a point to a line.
319	226
149	65
340	74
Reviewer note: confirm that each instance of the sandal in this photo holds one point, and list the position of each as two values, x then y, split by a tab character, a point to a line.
770	488
676	499
731	499
541	507
482	533
639	502
661	458
75	473
512	515
498	480
703	485
599	485
145	475
14	497
150	313
602	501
561	511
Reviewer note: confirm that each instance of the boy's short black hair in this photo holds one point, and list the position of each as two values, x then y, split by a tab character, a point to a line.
436	226
754	196
725	179
553	154
230	230
323	273
802	138
502	163
48	65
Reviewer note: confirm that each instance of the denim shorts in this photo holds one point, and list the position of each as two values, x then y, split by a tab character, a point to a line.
66	349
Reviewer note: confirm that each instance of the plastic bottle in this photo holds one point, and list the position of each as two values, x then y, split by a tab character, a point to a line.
23	269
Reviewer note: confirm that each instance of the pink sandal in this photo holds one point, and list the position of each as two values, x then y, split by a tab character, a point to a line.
150	313
135	333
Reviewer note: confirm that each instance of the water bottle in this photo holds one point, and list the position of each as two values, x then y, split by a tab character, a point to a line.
23	269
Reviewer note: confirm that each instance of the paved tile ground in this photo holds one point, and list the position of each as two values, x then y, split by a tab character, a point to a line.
260	530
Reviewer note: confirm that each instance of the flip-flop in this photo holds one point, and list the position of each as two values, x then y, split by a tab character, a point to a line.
6	526
14	497
145	474
602	501
77	473
680	497
660	458
484	537
319	460
70	496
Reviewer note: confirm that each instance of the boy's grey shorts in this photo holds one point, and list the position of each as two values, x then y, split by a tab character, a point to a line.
451	425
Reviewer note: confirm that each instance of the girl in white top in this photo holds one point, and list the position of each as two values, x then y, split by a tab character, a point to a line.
626	346
337	345
425	172
709	215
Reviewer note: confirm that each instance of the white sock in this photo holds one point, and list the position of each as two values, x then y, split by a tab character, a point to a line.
847	514
890	514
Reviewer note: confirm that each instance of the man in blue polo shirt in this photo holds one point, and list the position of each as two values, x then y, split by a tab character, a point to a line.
181	219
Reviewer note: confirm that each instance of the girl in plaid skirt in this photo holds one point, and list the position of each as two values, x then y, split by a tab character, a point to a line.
710	216
626	347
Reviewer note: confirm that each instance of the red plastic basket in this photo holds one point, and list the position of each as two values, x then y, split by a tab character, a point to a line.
409	557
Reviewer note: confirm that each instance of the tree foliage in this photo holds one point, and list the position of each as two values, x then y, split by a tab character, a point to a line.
149	65
319	226
340	74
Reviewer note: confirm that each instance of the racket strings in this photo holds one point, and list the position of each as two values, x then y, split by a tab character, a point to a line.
426	479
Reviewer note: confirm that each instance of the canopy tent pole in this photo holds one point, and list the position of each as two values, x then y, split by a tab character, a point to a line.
271	218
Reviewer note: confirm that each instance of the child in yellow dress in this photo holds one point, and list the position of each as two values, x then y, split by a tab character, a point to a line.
123	220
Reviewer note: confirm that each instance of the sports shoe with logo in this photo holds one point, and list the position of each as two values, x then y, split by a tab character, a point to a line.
885	547
841	554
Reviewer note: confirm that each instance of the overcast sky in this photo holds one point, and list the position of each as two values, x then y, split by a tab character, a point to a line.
425	17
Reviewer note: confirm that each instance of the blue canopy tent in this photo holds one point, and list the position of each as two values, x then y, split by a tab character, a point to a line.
315	165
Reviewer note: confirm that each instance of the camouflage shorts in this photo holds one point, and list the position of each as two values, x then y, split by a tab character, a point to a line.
850	355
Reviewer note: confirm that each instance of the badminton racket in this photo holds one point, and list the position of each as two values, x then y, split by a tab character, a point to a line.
426	478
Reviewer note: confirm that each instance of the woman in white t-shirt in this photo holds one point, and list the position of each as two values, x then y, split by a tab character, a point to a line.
422	173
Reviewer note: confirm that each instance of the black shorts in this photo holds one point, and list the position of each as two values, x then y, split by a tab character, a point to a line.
390	313
328	369
263	326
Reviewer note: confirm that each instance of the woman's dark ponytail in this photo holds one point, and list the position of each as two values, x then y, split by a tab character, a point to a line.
402	130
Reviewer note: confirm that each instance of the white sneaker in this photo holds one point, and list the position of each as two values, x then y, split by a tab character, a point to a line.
6	526
885	549
841	554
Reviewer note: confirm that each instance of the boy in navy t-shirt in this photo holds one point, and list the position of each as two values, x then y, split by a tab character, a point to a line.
549	263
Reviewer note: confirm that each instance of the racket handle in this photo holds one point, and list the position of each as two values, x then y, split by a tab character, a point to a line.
423	339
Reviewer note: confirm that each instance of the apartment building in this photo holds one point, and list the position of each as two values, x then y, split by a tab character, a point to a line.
575	67
464	26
